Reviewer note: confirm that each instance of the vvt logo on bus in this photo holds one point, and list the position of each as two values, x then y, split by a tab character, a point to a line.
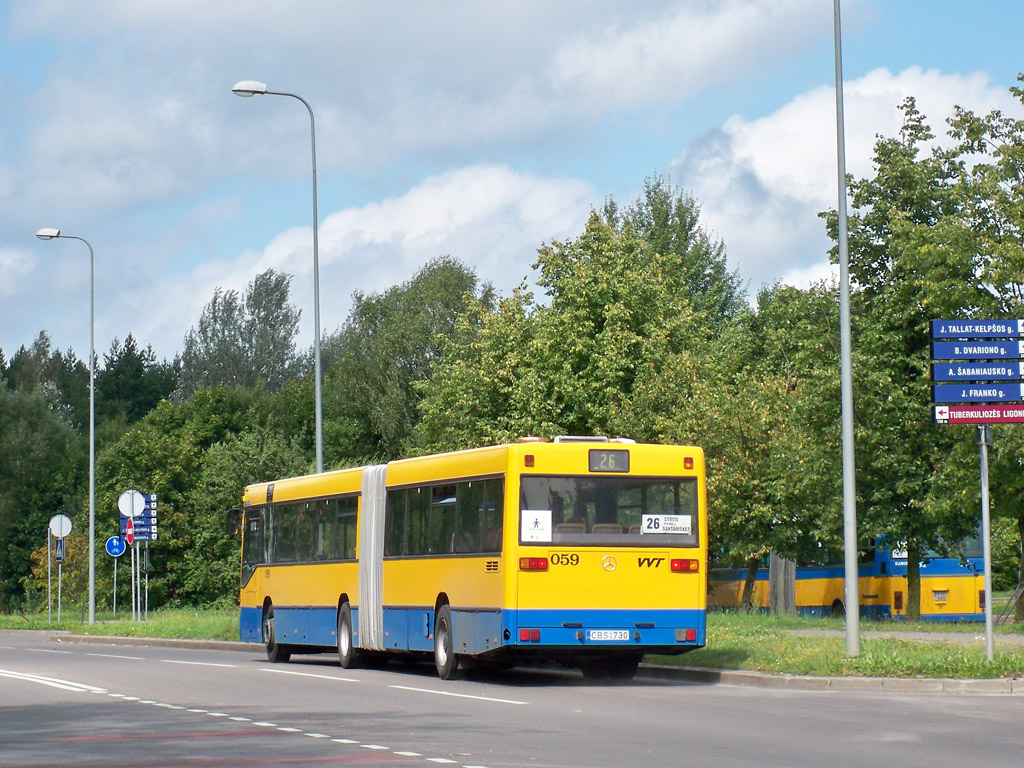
649	562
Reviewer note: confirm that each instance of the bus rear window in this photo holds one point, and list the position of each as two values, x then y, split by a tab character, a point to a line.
628	511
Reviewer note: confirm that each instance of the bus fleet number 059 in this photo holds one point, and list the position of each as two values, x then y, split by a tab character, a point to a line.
559	558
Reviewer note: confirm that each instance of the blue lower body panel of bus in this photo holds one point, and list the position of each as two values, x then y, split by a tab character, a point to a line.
648	631
481	631
293	625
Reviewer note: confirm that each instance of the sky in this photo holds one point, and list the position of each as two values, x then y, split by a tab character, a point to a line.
475	130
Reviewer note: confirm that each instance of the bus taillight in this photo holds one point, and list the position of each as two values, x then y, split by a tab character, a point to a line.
533	563
529	635
685	566
687	462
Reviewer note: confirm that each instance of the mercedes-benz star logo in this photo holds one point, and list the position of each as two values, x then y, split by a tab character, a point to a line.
608	563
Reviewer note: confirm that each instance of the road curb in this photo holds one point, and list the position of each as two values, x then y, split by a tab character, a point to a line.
916	685
159	642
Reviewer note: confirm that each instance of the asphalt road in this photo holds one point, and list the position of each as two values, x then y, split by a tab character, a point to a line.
135	706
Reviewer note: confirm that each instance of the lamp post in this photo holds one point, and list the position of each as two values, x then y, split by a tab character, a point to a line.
48	233
247	89
852	576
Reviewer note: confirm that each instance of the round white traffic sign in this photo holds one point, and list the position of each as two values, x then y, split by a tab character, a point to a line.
60	526
131	504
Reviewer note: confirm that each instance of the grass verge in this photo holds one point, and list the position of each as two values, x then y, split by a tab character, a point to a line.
766	644
185	623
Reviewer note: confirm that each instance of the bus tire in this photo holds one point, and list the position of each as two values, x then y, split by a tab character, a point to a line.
444	654
347	653
838	609
275	651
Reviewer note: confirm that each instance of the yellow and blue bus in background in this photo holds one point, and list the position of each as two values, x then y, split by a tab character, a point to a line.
584	551
952	588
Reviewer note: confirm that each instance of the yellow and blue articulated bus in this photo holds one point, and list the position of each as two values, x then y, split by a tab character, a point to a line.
584	551
952	588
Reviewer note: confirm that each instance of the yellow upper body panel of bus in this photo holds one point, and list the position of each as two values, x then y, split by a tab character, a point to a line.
324	485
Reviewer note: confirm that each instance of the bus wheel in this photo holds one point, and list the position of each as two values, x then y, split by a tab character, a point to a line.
275	651
838	609
347	653
444	656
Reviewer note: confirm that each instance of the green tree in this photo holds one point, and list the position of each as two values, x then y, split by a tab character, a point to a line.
63	374
913	258
385	350
131	381
42	469
165	454
243	341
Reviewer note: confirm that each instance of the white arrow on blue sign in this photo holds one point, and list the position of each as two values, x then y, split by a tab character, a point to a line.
58	552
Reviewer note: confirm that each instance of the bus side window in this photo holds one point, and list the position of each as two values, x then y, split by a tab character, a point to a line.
469	515
417	540
442	519
493	514
347	528
394	524
306	539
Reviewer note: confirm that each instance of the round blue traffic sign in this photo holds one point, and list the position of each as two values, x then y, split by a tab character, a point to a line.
115	546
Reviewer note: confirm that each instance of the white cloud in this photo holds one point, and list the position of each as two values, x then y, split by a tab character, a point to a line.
692	48
762	182
490	217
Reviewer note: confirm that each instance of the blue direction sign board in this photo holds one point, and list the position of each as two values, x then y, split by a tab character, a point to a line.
58	552
978	349
977	371
977	329
976	393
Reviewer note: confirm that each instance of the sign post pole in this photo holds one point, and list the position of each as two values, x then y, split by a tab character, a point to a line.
983	434
59	528
49	578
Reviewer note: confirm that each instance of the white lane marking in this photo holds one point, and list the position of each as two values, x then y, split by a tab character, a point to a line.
286	729
217	714
115	656
198	711
409	754
373	746
318	735
440	760
64	685
266	725
310	674
345	741
198	663
457	695
238	719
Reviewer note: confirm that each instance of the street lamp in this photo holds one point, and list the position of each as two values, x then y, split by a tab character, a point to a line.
248	89
48	233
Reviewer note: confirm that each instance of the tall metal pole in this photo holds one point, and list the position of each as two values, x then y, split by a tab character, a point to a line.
852	586
50	234
984	438
248	88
